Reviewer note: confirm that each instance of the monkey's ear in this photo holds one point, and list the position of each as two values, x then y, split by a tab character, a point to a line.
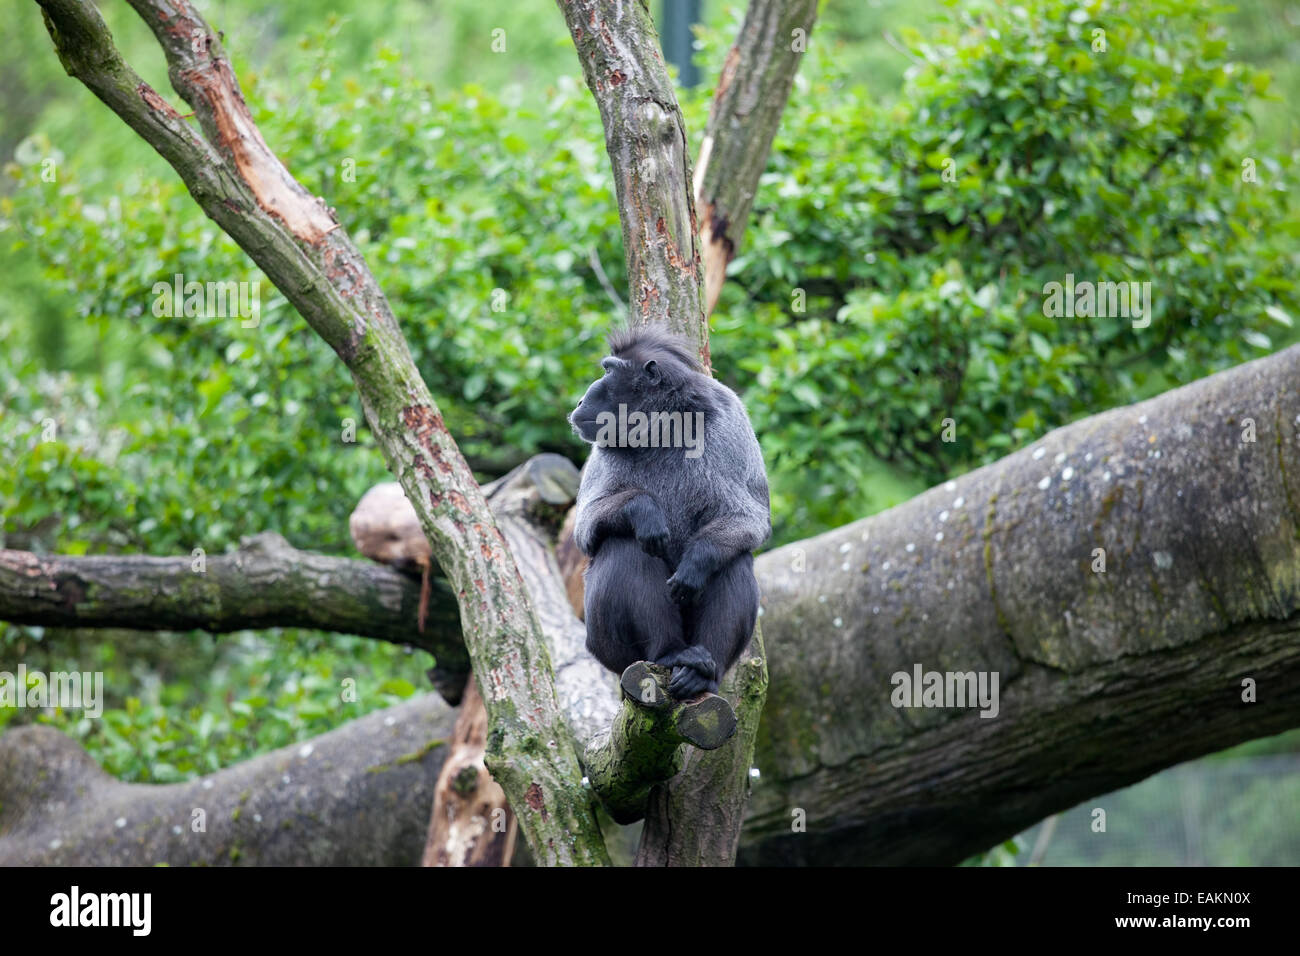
651	368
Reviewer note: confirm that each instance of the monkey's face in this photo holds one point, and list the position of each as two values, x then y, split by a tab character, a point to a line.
624	387
601	396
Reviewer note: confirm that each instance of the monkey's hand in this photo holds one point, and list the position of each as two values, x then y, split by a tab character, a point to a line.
687	583
649	526
654	542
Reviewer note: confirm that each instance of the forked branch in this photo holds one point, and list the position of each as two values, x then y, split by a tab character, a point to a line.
644	746
236	179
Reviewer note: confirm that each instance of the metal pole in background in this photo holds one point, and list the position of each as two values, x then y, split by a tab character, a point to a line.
675	33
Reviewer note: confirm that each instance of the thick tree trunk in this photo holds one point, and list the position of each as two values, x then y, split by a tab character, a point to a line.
357	796
696	818
1104	677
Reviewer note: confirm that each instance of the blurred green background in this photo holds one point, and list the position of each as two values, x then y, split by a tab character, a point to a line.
477	170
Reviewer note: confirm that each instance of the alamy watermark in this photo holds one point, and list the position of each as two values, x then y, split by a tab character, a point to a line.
639	429
923	688
1124	300
132	911
71	690
217	300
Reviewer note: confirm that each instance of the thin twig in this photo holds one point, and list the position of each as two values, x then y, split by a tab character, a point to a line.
605	284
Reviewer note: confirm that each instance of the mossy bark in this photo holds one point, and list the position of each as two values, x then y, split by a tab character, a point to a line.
265	583
644	745
236	179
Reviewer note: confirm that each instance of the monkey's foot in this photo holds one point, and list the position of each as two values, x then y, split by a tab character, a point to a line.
687	683
694	673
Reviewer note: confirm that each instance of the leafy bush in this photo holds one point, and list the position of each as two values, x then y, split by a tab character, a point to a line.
925	291
161	724
880	291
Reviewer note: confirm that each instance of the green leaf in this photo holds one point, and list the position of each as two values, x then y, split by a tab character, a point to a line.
1277	315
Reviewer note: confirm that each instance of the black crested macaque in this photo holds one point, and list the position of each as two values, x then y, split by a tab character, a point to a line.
673	502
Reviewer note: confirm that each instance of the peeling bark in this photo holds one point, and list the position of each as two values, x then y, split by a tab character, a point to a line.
471	824
323	275
750	98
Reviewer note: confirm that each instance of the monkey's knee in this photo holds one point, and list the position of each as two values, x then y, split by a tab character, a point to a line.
628	613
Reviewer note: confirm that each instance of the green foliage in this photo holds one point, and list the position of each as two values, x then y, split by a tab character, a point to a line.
159	725
1007	853
872	300
924	236
219	430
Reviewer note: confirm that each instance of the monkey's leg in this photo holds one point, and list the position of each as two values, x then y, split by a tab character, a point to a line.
629	615
722	622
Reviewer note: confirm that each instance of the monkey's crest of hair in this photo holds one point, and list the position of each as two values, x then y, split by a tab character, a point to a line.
638	345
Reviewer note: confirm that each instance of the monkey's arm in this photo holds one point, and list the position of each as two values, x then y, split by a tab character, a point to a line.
717	543
630	513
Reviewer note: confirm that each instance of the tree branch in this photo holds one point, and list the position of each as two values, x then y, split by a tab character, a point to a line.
644	746
645	137
266	583
750	98
242	186
356	796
